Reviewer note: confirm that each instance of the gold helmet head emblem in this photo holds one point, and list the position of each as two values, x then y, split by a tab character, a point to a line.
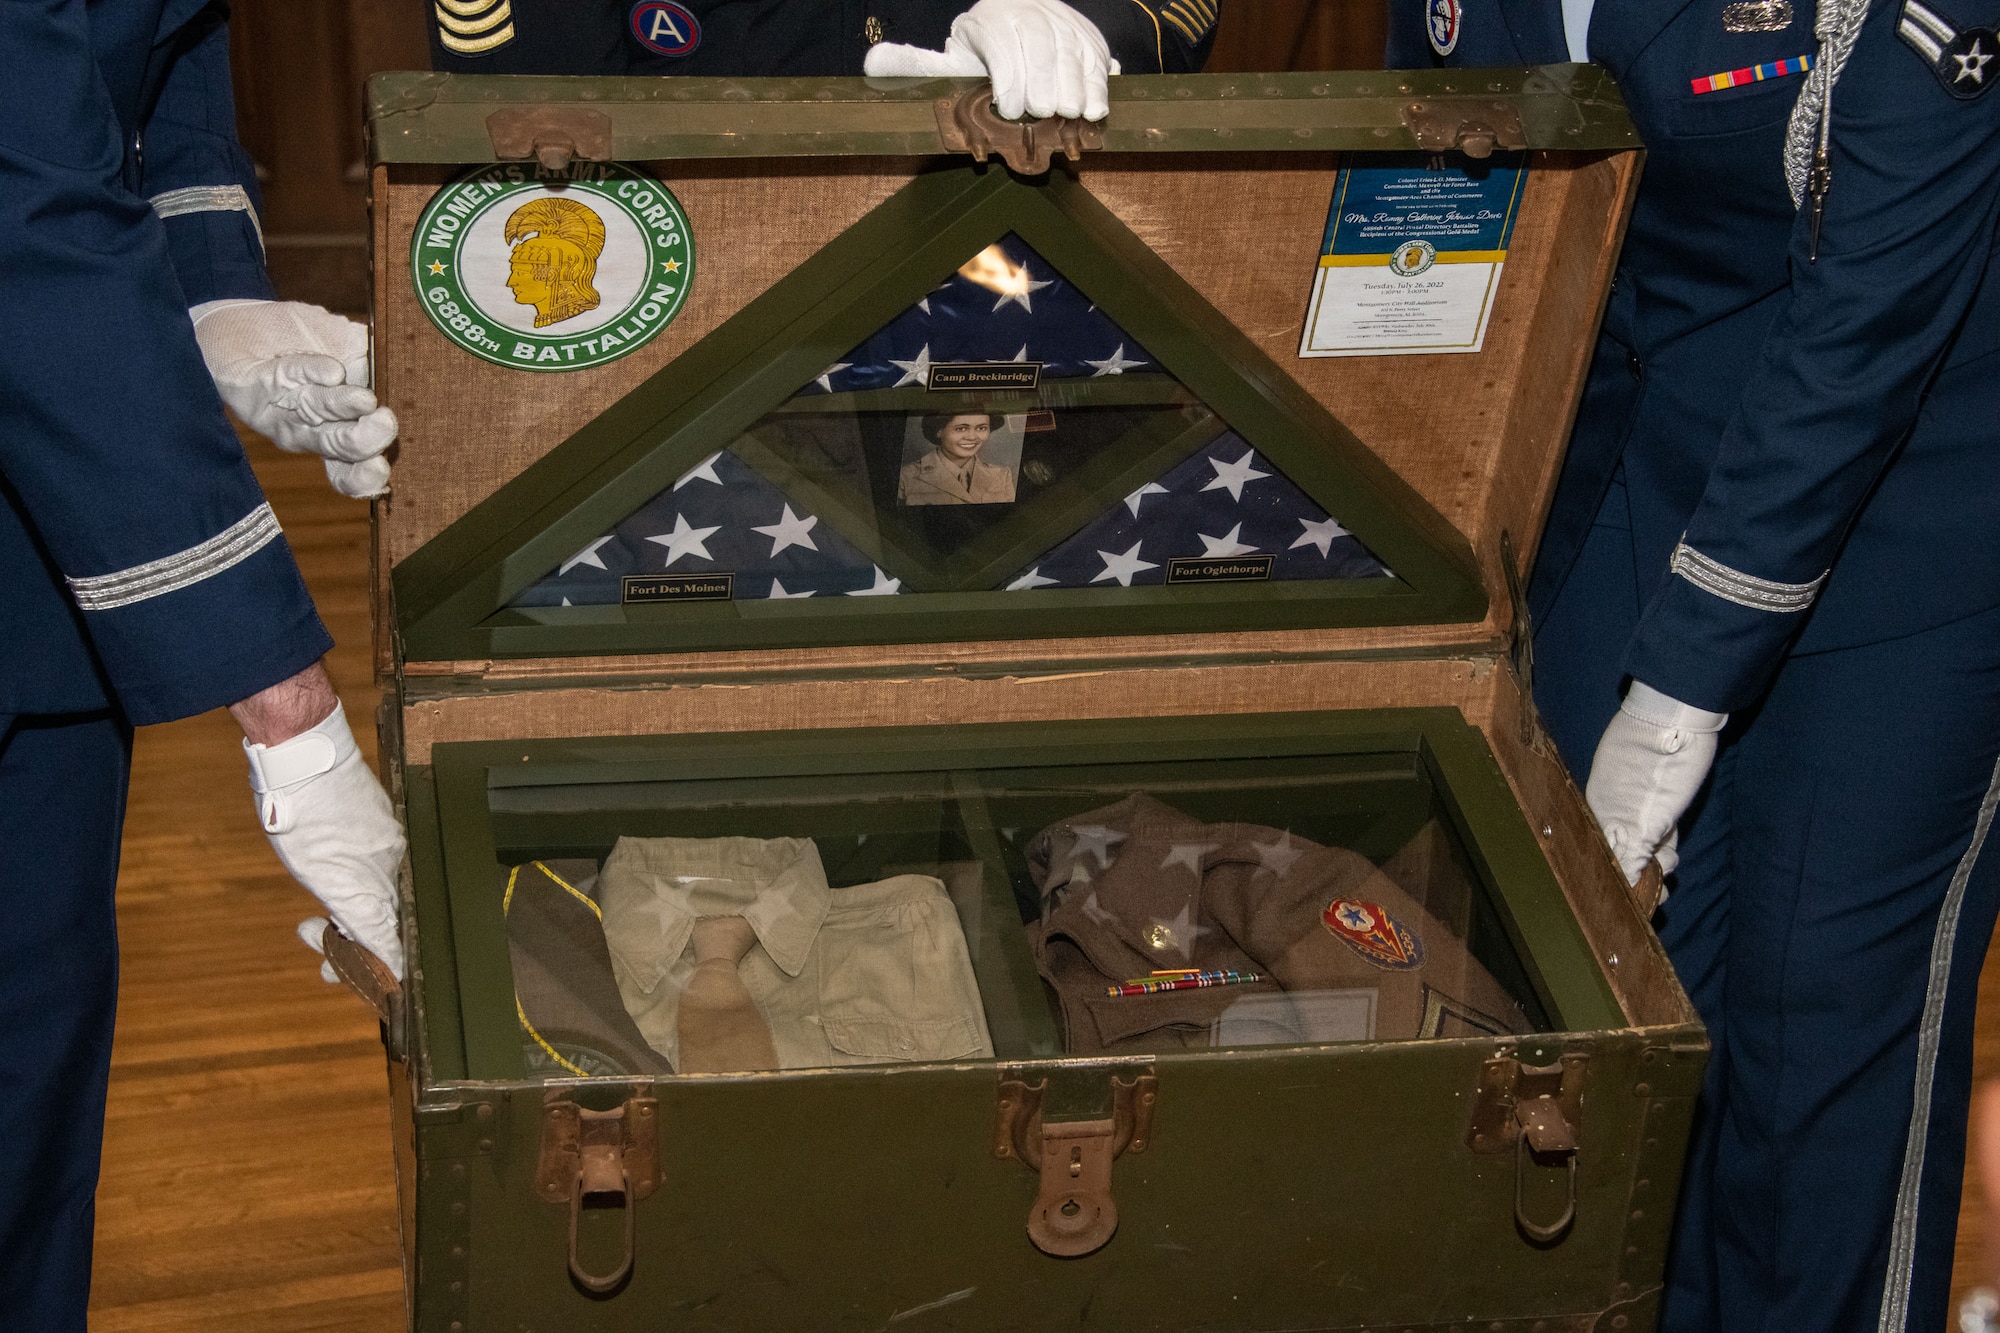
556	244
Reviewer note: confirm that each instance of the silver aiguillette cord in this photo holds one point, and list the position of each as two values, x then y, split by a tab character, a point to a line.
1808	162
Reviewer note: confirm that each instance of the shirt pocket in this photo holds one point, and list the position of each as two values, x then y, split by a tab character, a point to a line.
641	952
1750	105
896	983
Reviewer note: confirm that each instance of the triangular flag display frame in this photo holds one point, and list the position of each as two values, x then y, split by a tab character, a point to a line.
453	595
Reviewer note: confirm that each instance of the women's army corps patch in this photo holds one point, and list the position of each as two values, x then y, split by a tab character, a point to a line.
552	271
1369	930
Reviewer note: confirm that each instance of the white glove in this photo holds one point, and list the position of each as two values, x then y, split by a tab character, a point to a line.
1650	762
299	375
329	821
1044	58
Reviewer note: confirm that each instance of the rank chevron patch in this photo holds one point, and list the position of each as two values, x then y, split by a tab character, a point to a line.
1962	59
474	27
1193	18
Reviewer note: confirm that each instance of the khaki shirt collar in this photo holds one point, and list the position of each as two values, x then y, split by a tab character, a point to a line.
776	884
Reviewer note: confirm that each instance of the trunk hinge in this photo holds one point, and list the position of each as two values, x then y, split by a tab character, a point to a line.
1537	1111
1521	648
1473	126
968	123
552	136
1074	1212
603	1153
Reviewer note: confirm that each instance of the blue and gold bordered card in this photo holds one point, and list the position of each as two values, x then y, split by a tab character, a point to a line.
1412	256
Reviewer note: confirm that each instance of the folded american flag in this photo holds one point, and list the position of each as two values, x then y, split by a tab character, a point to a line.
1224	501
1005	304
719	517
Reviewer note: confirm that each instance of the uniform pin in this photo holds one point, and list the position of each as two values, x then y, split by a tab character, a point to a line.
1757	16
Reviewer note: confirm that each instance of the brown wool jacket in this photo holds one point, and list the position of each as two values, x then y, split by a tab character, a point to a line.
1138	886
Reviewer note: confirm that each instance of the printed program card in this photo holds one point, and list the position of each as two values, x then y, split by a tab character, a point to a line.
1414	247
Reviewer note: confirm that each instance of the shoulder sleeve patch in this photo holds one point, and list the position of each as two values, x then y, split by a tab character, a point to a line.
1962	58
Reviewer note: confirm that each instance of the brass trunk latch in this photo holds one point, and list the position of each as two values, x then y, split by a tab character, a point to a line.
1074	1213
602	1153
551	135
1537	1112
968	123
1473	126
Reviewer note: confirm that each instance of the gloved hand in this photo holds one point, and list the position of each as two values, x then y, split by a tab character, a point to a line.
1044	58
299	375
329	821
1650	762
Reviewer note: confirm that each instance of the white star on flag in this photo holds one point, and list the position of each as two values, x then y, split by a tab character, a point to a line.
791	530
1150	488
1232	477
1028	287
1319	534
1188	854
565	601
778	592
1094	910
884	586
1228	545
684	540
914	372
1022	355
1032	579
587	556
1123	567
704	470
825	380
925	305
1278	854
1115	364
1098	841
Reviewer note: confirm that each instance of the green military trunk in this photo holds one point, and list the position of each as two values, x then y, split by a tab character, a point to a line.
1456	1091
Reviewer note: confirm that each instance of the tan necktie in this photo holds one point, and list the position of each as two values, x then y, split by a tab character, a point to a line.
721	1030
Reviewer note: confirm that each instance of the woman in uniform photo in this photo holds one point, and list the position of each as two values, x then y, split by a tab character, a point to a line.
953	473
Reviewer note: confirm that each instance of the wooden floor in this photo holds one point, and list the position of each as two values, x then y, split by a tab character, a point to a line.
247	1180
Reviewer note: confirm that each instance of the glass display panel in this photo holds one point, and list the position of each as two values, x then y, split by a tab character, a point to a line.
1001	433
737	925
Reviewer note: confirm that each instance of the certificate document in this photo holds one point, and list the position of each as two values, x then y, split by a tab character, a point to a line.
1412	256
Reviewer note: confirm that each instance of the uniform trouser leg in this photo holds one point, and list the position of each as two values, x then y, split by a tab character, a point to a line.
62	802
1834	903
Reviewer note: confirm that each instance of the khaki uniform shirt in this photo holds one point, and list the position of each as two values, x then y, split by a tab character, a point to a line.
935	480
863	975
1139	886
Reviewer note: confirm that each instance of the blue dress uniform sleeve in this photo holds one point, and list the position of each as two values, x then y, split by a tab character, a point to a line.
1155	36
112	438
1909	227
195	173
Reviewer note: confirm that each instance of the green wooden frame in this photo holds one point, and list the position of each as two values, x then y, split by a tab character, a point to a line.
452	595
467	1005
442	118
